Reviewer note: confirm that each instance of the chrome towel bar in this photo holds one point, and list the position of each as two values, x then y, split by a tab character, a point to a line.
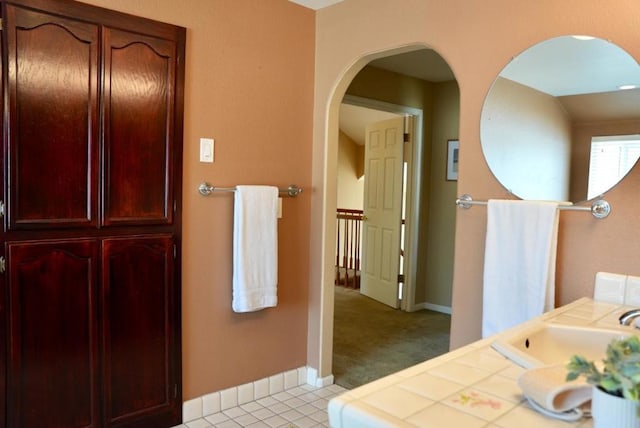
206	189
599	208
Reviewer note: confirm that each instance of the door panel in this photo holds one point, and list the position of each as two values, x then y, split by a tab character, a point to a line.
382	211
53	375
139	86
139	308
52	142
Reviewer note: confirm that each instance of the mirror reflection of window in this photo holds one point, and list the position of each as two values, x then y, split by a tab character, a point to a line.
612	157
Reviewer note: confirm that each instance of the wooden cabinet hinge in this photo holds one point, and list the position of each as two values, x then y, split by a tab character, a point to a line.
1	24
175	251
3	264
1	208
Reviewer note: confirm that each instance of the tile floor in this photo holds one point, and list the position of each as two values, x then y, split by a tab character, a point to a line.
304	406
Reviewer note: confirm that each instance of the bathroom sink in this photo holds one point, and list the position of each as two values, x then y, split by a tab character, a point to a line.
544	343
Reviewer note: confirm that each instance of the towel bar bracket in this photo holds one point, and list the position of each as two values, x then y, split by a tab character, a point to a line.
464	201
600	208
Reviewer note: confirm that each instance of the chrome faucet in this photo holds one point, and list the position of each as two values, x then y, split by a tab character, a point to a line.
628	317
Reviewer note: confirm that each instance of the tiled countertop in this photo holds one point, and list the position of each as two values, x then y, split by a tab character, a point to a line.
473	386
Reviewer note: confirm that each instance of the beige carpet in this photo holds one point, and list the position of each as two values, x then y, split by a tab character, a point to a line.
372	340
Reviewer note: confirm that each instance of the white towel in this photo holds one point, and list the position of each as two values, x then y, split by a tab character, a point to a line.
255	248
549	388
519	262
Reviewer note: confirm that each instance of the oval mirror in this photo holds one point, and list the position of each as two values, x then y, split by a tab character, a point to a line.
562	120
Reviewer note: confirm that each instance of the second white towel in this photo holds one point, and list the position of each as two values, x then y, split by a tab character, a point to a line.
519	264
255	248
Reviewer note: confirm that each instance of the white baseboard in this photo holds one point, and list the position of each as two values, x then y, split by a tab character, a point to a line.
314	380
215	402
432	307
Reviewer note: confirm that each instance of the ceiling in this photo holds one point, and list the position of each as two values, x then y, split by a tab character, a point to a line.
423	64
354	120
569	66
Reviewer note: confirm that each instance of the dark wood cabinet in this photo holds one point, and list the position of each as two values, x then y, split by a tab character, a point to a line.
91	230
53	364
52	67
138	116
137	317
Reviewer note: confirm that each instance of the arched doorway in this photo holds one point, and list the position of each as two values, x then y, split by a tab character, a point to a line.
420	207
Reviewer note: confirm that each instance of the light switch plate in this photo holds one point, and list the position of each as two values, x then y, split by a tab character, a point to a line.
206	150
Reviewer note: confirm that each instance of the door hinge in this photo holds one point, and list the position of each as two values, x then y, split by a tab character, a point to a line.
1	208
0	24
400	278
406	137
3	264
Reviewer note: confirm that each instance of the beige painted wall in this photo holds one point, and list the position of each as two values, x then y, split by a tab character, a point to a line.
477	38
540	129
249	85
437	273
350	169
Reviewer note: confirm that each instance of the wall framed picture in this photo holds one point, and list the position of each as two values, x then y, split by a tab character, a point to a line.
452	160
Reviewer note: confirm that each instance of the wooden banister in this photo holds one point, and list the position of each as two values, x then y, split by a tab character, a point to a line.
349	226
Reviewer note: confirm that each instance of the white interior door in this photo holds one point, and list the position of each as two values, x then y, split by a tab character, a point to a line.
382	211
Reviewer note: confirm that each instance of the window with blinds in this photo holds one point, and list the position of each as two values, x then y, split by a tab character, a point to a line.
611	159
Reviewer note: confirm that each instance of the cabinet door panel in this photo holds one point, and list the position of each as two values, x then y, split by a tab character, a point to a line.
139	113
53	104
139	309
53	376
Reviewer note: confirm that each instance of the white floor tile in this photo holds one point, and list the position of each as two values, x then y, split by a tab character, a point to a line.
258	424
278	408
302	406
229	424
198	423
217	418
291	415
234	412
282	396
263	413
305	423
275	421
251	407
